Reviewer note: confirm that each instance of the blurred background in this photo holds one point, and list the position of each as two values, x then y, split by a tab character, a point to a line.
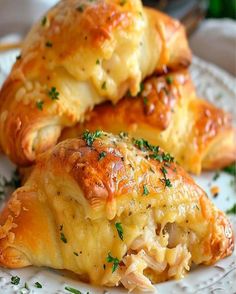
210	24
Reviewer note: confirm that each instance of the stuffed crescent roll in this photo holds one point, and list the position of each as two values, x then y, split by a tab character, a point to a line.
80	54
114	211
168	113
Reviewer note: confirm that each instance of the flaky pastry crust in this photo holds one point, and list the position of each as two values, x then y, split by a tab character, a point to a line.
80	54
112	213
168	113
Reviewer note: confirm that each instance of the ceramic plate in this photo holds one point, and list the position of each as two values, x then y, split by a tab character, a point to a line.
213	84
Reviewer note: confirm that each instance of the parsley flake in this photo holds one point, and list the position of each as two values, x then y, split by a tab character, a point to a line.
90	137
231	169
165	180
119	230
53	93
72	290
145	190
145	100
15	280
216	176
63	238
39	104
102	155
169	80
76	254
44	21
38	285
104	85
97	61
113	260
18	57
232	209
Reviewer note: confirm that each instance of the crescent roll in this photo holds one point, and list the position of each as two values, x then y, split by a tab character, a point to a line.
168	113
114	211
80	54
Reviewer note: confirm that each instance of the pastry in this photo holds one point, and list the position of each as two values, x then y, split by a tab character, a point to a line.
80	54
114	211
168	113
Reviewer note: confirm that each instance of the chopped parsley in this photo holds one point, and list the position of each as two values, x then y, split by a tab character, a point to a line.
232	209
39	104
119	230
165	180
216	176
97	61
72	290
113	260
145	100
53	93
102	155
162	157
169	80
141	88
38	285
44	21
104	85
80	8
76	254
90	137
63	238
144	145
231	169
15	280
26	286
145	190
48	44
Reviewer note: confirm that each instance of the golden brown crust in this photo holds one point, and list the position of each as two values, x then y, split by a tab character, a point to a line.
168	113
74	197
88	52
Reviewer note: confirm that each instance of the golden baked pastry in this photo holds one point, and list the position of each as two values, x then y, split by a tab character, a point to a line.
108	209
168	113
79	55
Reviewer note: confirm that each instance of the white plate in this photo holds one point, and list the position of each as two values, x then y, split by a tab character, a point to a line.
215	85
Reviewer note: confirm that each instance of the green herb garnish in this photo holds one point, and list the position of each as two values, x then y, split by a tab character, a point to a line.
232	209
104	85
113	260
76	254
15	280
216	176
44	21
119	230
169	80
165	180
102	155
97	61
73	290
53	94
38	285
231	169
39	104
145	190
145	100
90	137
63	238
144	145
